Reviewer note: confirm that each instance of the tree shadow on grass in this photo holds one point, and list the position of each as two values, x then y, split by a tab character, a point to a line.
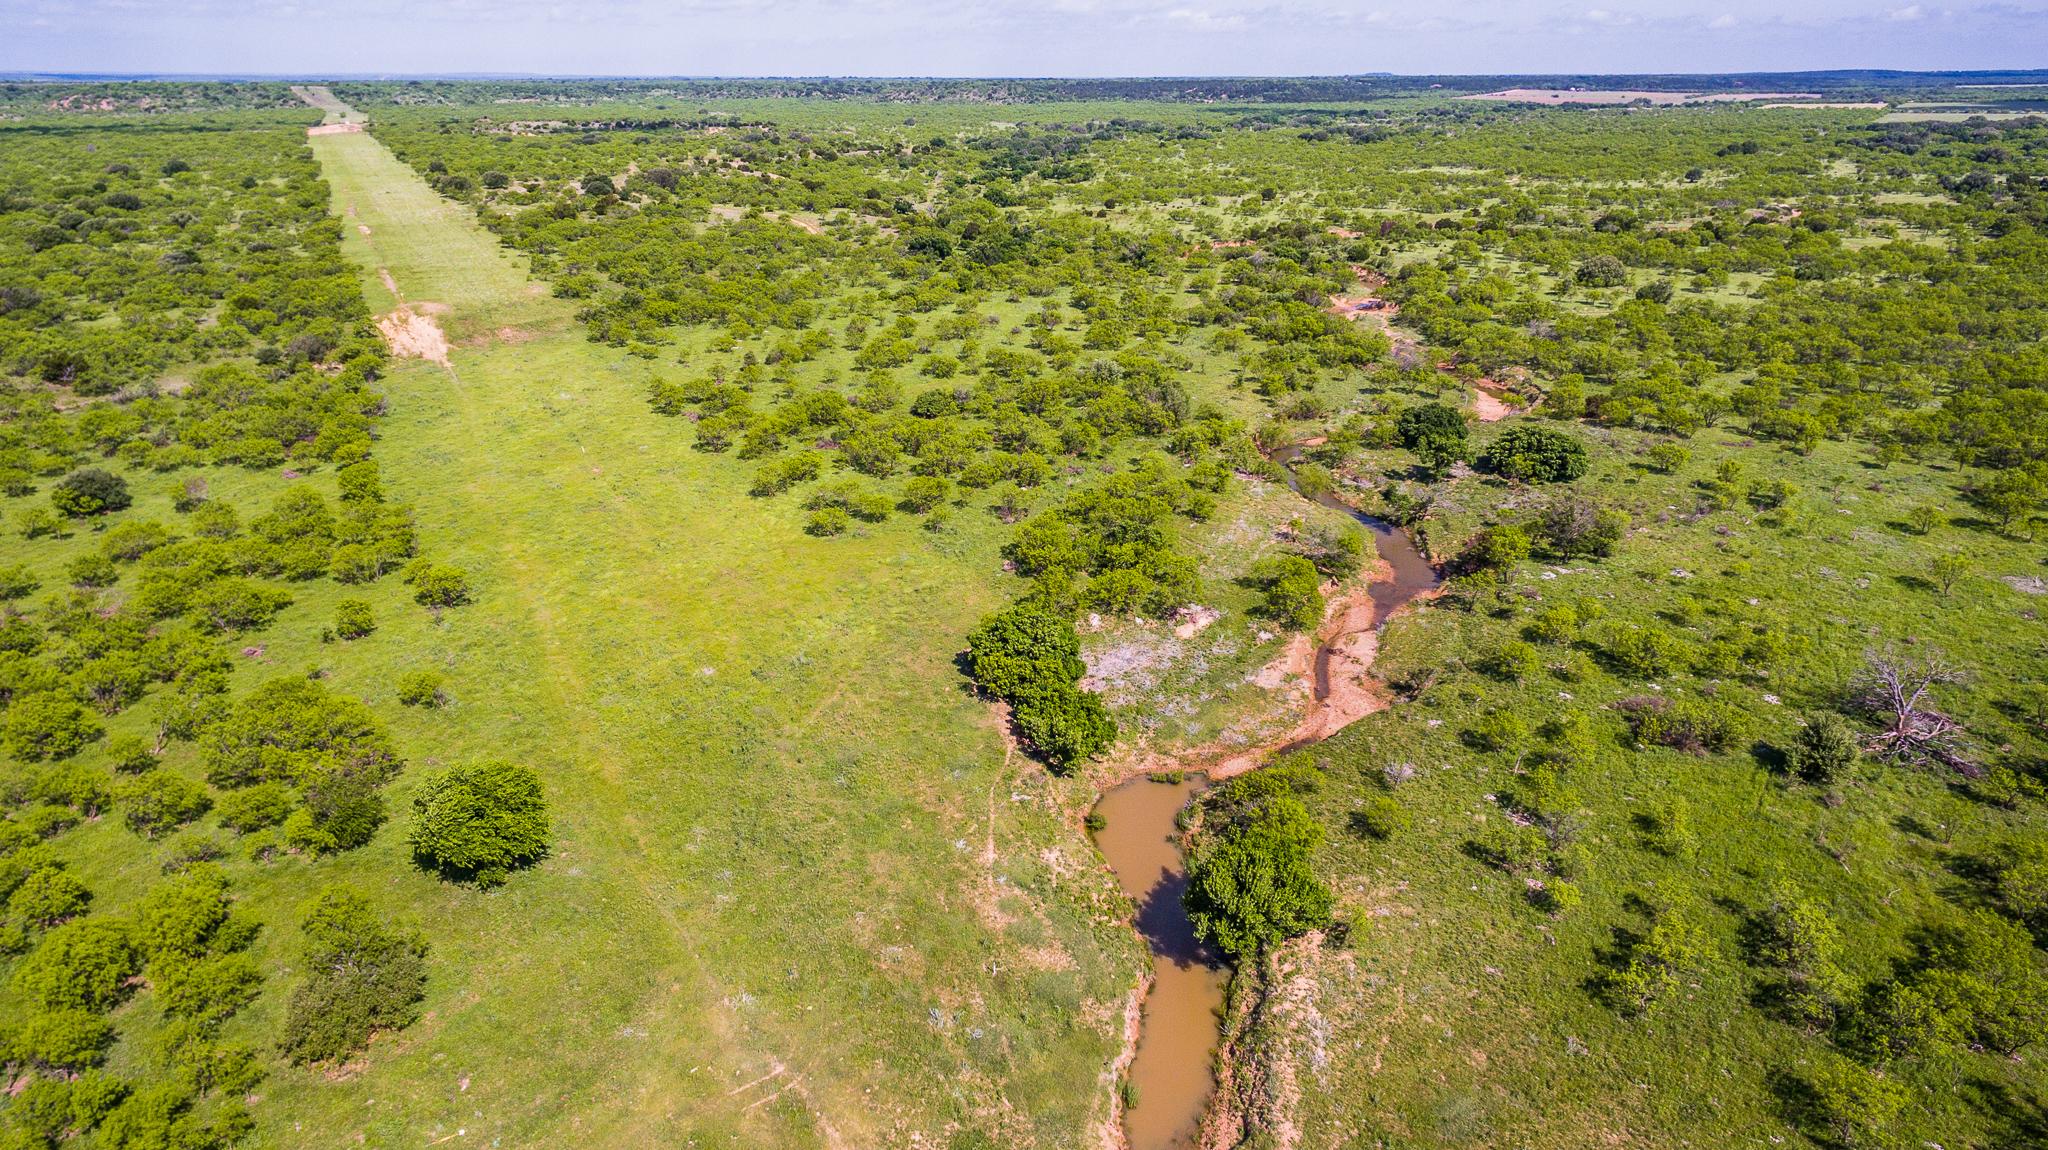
1771	757
1908	824
2020	1122
1800	1106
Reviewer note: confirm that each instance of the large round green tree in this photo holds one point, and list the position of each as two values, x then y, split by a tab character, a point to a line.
480	822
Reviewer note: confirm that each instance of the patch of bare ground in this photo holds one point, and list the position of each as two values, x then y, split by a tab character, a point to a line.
334	129
1489	407
1324	688
1273	1031
1110	1134
414	334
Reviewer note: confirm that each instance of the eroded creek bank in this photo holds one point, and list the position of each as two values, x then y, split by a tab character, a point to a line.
1172	1075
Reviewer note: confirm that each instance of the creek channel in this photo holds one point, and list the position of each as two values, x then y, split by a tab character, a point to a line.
1172	1070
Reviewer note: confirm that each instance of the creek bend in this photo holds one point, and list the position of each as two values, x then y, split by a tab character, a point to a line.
1172	1069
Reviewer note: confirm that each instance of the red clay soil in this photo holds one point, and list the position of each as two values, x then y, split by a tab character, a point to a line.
1351	622
1487	406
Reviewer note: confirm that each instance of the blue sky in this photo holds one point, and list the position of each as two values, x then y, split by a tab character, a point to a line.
1014	37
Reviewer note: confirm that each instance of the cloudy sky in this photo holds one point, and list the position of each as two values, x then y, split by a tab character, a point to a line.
1015	37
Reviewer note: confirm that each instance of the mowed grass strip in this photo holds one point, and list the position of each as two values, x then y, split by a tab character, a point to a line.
775	804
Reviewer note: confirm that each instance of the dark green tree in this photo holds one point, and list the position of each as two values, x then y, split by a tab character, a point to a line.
479	823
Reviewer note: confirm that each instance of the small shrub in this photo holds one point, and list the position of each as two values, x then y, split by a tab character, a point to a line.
92	570
782	474
17	582
438	585
130	754
1294	597
353	619
1557	623
257	807
162	800
1645	652
1559	897
422	689
1695	726
1669	458
1825	749
90	491
1668	829
1537	454
343	810
1516	660
37	523
233	604
46	726
65	1039
362	977
1571	527
1601	271
47	897
924	492
1653	963
1498	548
82	965
1383	817
1856	1106
827	521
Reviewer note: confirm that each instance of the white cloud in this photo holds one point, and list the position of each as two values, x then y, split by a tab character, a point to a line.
1901	15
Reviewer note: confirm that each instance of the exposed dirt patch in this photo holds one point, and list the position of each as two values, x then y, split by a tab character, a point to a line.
334	129
1407	348
1273	1037
1490	408
1294	665
363	228
414	334
1331	685
1192	621
390	285
1110	1135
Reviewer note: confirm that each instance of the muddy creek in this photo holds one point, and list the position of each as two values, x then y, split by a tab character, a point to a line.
1172	1070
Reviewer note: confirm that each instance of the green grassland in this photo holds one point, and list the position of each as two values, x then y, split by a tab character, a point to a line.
806	889
762	766
1457	1012
801	892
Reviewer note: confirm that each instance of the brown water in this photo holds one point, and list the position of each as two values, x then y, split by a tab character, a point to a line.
1172	1068
1178	1035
